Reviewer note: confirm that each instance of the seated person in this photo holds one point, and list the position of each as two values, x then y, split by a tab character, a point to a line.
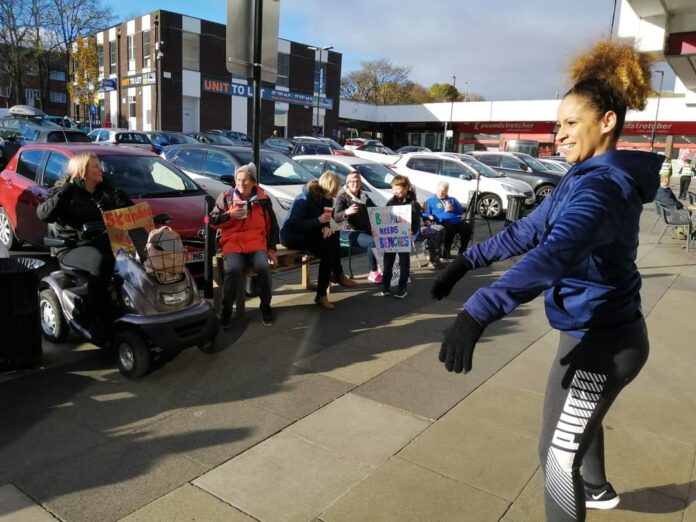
245	216
350	212
448	212
308	228
665	196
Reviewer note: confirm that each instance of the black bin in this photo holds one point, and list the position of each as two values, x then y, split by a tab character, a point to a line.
515	209
20	327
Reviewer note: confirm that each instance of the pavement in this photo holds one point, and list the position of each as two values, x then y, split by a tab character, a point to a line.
347	415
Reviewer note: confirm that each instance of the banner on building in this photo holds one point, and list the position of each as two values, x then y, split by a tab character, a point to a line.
391	227
242	89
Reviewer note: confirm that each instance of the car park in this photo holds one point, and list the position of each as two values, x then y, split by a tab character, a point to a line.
335	147
206	137
376	151
426	170
310	147
30	174
213	167
166	138
412	148
542	181
376	177
283	145
554	166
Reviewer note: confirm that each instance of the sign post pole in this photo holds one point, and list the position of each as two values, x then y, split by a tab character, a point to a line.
258	26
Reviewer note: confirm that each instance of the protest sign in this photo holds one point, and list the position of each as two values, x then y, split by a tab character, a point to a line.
391	227
120	221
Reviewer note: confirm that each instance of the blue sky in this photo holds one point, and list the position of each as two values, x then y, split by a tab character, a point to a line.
501	49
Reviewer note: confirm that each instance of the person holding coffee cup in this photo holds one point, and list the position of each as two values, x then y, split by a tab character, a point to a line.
249	234
446	210
308	228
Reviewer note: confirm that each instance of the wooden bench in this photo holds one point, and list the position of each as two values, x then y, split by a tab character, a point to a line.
288	259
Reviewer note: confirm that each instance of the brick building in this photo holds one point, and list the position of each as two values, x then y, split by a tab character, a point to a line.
166	70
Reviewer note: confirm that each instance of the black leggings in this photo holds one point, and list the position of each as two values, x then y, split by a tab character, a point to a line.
585	378
99	265
329	251
684	182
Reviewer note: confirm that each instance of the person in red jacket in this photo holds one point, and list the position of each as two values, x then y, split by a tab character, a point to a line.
249	234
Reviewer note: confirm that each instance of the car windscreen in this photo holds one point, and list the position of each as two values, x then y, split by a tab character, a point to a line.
179	139
76	137
483	169
376	175
217	139
146	176
132	137
534	163
276	168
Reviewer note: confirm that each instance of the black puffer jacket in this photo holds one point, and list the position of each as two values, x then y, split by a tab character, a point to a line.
71	206
358	221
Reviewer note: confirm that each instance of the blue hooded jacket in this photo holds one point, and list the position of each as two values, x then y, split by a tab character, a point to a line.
581	246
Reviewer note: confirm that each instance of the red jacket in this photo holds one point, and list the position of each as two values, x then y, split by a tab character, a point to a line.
258	231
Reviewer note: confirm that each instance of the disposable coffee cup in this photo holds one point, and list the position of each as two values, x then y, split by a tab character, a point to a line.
328	211
242	205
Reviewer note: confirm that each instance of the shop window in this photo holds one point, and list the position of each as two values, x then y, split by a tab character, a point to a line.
131	106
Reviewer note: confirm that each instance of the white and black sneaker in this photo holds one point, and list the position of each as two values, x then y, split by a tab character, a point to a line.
400	293
600	497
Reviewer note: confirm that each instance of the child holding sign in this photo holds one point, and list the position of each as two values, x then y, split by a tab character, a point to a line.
403	195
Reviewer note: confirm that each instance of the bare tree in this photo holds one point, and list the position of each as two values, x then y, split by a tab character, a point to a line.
378	81
14	30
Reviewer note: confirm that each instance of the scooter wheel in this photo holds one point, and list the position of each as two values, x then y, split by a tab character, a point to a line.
132	355
53	325
212	346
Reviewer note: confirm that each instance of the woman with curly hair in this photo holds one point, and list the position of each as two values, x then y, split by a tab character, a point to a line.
580	247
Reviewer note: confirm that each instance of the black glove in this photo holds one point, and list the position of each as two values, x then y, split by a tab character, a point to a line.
458	346
63	191
449	277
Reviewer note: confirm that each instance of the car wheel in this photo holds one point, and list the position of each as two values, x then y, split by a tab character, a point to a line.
7	236
542	192
489	206
53	325
133	356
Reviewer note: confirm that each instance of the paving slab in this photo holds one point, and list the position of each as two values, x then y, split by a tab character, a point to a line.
187	504
529	505
291	392
488	458
401	491
360	429
15	506
109	482
283	478
213	433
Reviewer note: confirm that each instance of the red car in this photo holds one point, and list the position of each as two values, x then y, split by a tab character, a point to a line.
33	170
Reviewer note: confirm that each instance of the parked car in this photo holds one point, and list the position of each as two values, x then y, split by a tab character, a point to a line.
560	160
310	147
213	166
30	174
237	138
354	143
412	148
336	148
125	137
543	181
376	177
376	151
206	137
555	166
165	138
426	170
283	145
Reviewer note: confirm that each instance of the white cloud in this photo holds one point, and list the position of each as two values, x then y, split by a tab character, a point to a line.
502	49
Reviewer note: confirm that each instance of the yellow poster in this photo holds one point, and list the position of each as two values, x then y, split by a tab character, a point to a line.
120	221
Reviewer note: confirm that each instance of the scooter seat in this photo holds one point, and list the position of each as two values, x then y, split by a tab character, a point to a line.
73	271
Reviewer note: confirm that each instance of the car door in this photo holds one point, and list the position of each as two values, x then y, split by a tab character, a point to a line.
423	172
215	165
28	194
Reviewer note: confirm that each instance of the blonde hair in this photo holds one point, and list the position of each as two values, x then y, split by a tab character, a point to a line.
612	77
330	183
78	165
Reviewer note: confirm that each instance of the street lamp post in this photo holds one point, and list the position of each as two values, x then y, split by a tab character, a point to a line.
454	90
657	110
320	49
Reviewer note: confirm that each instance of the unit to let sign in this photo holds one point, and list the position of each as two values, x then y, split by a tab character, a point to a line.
246	90
149	78
391	227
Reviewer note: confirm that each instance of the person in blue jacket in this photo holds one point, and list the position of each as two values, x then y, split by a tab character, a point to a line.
447	211
580	247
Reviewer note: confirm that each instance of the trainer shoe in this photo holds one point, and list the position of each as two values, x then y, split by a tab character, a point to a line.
267	315
436	263
226	319
385	292
600	497
374	277
400	293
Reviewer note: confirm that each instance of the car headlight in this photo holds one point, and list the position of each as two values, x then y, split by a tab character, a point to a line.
286	204
510	188
177	298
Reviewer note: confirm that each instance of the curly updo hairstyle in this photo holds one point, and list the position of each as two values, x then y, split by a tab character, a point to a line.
612	77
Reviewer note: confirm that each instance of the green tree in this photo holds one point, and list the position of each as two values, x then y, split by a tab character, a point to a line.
83	88
378	81
444	92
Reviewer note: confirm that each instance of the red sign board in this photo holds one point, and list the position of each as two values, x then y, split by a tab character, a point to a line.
547	127
663	127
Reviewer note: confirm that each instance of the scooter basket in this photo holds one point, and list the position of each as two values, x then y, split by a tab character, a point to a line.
165	255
